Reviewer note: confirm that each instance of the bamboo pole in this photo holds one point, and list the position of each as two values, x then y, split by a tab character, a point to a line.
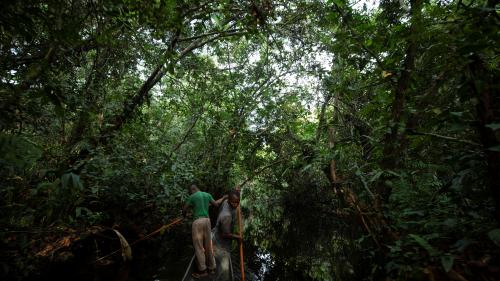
242	265
163	227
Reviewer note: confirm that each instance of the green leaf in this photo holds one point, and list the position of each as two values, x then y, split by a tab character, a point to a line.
462	244
450	222
216	20
73	179
424	244
65	179
376	176
493	126
494	235
306	167
76	181
437	111
447	262
495	148
78	212
457	127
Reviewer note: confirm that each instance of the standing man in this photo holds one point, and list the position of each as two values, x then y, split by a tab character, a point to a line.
199	201
226	221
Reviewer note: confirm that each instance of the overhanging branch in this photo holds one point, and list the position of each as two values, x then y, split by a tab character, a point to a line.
413	132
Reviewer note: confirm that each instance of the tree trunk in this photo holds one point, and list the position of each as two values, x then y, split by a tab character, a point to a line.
393	151
483	90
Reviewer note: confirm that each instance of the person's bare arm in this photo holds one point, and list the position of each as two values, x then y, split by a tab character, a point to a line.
234	236
217	202
226	230
185	209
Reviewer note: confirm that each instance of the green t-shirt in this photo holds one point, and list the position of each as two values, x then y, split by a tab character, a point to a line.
199	201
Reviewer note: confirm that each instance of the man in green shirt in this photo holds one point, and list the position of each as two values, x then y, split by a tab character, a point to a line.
199	201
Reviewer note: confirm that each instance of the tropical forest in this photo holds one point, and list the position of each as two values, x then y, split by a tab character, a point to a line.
342	140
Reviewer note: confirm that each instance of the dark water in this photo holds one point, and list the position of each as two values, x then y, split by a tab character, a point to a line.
258	263
173	271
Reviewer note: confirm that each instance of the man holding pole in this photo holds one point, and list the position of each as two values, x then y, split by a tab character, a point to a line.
229	215
226	221
199	201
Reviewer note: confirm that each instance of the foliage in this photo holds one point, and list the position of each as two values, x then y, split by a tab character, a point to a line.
365	139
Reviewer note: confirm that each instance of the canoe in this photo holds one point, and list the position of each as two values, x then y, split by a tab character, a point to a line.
224	271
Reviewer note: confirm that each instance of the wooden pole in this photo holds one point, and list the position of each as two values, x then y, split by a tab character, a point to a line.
242	265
